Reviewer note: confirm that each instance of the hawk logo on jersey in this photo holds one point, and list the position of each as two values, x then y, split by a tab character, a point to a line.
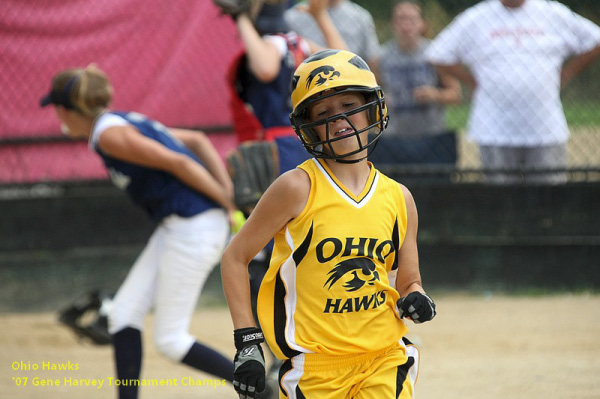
363	273
323	74
362	270
360	254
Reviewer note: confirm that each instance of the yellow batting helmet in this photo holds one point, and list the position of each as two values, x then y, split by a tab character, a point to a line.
335	72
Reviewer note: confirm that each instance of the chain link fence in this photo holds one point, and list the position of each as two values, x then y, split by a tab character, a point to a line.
168	60
509	126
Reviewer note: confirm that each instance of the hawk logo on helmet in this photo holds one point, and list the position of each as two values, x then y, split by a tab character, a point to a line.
353	266
323	74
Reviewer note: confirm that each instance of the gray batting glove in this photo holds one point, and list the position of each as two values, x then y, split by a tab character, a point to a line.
249	362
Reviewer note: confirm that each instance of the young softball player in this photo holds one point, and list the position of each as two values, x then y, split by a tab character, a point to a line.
326	306
177	177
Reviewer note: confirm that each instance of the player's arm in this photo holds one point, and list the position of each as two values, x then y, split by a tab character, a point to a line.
200	144
408	277
128	144
318	10
282	202
333	39
264	60
414	302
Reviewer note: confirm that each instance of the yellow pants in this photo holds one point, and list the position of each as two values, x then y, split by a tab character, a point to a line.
389	373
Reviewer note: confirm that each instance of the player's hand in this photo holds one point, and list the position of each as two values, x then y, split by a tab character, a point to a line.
233	8
249	362
417	306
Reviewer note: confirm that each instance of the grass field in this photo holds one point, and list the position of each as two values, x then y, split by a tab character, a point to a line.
478	347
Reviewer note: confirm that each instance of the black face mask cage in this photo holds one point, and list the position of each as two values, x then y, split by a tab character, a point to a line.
323	148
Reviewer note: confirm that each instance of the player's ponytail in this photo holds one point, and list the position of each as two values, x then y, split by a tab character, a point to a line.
93	92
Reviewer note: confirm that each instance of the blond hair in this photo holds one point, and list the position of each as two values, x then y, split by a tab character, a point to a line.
90	90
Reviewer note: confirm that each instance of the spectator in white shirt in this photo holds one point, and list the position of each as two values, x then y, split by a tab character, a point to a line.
514	52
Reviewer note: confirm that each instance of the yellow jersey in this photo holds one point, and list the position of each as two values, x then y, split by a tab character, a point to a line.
327	289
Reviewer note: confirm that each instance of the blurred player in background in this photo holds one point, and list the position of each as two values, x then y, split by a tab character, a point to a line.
261	75
326	305
178	178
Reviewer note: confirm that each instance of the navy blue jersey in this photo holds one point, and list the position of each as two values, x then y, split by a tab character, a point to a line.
271	101
159	193
291	153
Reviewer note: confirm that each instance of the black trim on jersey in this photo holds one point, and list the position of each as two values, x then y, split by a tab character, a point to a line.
402	373
344	191
279	318
299	393
283	370
300	253
396	241
279	312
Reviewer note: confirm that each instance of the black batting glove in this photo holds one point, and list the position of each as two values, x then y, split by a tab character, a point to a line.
249	362
416	306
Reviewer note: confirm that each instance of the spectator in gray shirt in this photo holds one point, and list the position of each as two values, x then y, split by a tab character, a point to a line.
415	93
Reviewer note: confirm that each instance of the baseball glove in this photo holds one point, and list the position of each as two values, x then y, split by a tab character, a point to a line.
253	166
233	8
87	317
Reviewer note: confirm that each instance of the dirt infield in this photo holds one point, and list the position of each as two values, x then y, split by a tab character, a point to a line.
477	348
